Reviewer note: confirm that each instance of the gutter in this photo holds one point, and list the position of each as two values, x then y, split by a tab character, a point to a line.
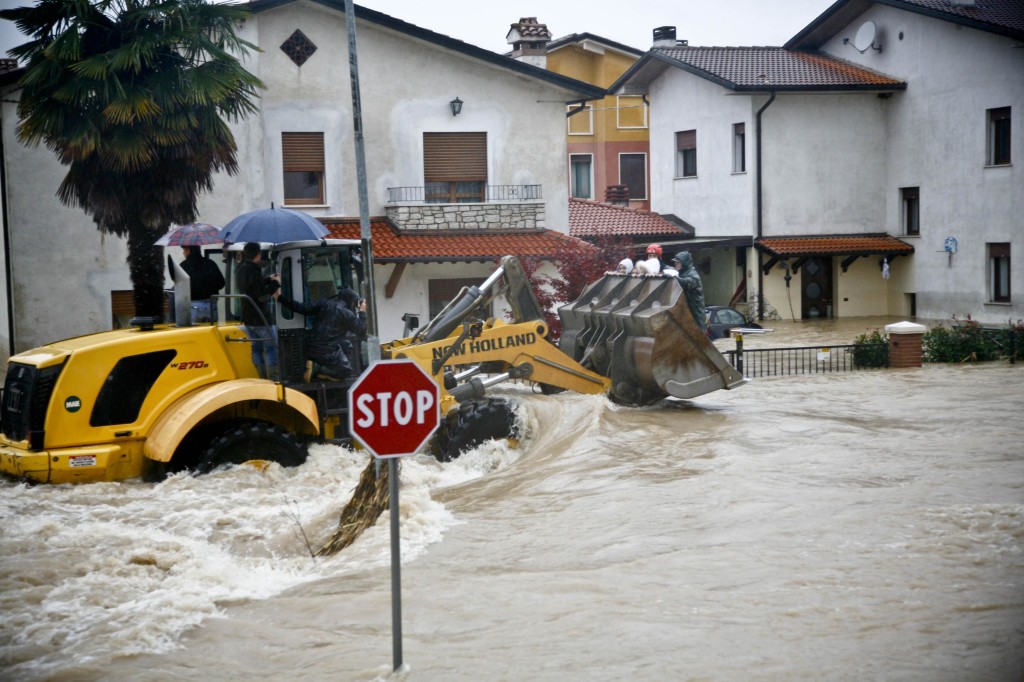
760	210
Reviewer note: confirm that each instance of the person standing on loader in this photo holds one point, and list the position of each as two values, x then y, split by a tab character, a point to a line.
260	329
205	280
327	346
689	280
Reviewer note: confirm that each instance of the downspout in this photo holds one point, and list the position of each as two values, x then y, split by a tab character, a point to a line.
760	211
8	275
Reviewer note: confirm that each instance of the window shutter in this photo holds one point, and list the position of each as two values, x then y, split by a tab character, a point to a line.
450	157
999	250
686	139
303	151
740	130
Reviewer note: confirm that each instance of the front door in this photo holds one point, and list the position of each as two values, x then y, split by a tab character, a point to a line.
816	289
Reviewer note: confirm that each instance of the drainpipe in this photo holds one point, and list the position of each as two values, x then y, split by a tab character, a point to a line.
760	215
9	276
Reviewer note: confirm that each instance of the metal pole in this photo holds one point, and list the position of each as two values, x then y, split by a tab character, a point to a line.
372	338
396	567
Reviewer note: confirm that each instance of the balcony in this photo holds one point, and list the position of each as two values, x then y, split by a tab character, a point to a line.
466	206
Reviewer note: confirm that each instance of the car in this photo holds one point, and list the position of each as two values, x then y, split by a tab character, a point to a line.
721	319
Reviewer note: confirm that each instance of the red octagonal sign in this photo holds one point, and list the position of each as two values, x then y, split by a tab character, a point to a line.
394	407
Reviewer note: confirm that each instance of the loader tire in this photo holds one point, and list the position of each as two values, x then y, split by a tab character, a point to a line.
251	441
472	423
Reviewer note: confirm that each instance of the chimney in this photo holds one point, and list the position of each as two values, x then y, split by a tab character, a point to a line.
665	36
616	195
529	40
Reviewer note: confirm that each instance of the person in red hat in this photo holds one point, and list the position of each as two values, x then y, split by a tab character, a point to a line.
651	266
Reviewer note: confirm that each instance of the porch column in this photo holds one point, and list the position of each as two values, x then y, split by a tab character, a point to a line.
905	344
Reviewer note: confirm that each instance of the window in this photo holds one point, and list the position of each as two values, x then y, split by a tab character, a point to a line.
633	174
910	199
631	112
739	155
582	122
580	174
999	271
441	292
454	167
686	154
999	136
303	157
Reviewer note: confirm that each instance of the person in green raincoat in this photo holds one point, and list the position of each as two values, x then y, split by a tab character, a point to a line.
689	279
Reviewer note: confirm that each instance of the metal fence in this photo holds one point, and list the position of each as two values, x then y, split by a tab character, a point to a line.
488	193
765	362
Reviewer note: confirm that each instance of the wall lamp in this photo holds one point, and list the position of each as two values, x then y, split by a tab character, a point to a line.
456	105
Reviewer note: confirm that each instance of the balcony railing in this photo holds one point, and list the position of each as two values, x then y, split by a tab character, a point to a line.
463	192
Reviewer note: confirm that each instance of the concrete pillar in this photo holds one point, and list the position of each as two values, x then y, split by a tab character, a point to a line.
905	348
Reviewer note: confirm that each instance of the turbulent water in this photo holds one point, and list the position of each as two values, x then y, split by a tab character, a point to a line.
852	526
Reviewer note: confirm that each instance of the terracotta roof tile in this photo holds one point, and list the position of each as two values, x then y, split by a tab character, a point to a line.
530	27
834	246
391	245
757	67
594	219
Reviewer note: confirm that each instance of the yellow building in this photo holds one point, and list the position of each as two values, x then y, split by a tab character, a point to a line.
607	140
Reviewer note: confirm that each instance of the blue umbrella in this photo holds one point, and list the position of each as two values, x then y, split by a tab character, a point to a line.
273	225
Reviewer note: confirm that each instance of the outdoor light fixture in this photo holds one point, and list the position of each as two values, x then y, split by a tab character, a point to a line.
456	105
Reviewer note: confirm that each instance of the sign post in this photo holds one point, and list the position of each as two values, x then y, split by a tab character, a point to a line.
394	408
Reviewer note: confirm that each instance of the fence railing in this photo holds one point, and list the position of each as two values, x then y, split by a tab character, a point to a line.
490	194
764	362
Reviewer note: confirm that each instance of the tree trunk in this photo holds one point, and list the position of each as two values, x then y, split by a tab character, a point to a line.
146	264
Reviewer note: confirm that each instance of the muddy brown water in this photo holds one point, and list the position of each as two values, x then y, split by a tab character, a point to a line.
855	526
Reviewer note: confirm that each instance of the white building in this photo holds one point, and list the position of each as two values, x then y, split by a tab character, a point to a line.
865	168
452	188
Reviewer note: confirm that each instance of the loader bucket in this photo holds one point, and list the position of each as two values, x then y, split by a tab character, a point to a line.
640	333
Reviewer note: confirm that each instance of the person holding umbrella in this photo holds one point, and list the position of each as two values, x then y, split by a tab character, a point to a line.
257	318
205	280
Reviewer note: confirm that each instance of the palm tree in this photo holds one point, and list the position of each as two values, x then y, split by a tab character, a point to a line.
131	95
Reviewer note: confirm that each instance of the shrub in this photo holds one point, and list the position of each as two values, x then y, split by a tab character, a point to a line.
871	350
969	341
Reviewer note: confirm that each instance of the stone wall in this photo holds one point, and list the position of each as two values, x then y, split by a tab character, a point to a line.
520	215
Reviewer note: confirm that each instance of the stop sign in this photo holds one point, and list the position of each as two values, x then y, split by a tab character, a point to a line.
394	408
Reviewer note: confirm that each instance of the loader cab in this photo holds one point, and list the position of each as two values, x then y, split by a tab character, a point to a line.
309	270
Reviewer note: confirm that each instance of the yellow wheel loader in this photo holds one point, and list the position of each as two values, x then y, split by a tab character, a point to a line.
165	397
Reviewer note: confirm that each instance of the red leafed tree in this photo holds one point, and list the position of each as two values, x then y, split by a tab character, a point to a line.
579	263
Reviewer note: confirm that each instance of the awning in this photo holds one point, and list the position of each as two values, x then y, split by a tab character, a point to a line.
851	246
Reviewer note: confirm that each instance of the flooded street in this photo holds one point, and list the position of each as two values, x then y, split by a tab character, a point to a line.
854	526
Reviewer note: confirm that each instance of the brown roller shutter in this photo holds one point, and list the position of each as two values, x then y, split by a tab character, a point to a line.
303	151
687	139
450	157
999	250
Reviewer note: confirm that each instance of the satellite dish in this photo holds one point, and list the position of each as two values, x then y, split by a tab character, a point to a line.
865	37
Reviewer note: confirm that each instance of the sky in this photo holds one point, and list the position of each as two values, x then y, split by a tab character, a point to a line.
485	23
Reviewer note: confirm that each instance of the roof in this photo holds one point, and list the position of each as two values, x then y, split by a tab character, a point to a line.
595	219
1002	17
756	69
848	245
577	38
391	245
579	88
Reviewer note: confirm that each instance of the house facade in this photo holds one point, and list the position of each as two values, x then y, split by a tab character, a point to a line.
459	142
865	168
608	139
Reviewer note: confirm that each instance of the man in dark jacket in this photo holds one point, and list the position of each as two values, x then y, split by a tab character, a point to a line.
689	279
205	280
334	318
260	329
